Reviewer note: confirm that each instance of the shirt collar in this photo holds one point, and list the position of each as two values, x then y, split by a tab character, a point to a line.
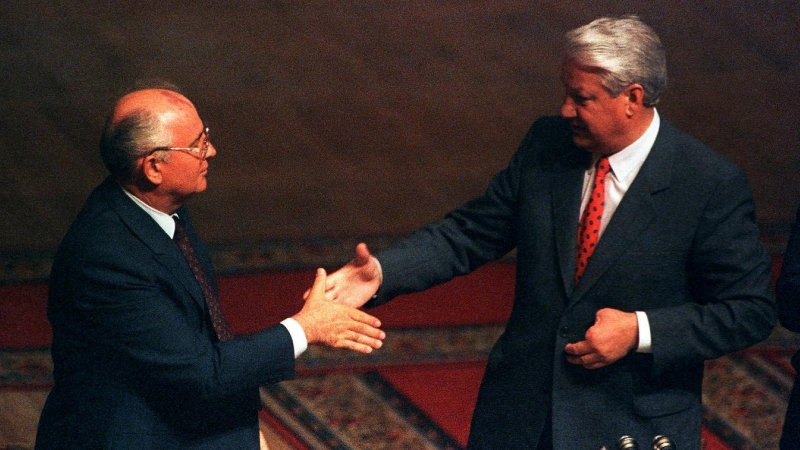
626	163
164	220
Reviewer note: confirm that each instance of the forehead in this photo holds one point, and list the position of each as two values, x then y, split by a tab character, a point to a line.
580	78
180	115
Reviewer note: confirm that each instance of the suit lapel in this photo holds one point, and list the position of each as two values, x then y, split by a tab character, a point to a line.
567	185
634	213
147	230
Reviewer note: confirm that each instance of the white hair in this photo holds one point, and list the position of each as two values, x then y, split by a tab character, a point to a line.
625	51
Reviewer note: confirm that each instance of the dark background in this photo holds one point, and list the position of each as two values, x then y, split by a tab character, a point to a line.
349	119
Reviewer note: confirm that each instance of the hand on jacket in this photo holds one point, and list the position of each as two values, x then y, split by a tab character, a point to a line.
614	334
337	325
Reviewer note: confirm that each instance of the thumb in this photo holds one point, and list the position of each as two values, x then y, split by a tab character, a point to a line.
318	288
362	254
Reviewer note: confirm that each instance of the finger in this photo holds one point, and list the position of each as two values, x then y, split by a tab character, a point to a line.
360	343
368	331
588	361
595	365
364	339
594	362
330	281
578	348
361	348
331	288
361	316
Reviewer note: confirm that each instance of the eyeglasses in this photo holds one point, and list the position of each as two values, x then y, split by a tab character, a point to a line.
202	151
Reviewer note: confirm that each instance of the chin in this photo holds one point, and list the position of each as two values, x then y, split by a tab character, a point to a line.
582	142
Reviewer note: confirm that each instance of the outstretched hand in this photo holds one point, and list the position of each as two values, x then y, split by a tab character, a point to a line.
614	334
335	324
355	283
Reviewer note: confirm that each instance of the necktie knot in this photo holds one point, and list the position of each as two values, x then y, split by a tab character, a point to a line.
603	167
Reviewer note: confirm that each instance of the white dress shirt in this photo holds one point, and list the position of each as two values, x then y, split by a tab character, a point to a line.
625	165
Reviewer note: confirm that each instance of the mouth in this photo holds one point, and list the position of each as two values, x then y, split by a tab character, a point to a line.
577	128
579	131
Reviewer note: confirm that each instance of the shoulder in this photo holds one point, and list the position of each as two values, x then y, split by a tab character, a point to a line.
105	231
692	153
685	158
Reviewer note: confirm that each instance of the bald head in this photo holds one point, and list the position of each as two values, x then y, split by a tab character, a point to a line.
166	105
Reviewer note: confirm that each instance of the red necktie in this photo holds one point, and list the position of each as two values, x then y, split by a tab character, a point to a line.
589	228
221	326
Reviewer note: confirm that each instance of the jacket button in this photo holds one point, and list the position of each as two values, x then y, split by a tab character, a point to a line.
564	331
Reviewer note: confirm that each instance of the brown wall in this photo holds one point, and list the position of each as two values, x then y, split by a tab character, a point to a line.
363	118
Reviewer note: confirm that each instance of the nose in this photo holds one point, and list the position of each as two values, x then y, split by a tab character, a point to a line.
212	151
567	108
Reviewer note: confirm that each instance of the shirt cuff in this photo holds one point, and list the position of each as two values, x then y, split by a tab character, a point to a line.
380	277
645	341
299	340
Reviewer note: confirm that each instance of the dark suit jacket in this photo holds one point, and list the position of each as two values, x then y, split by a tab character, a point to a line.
682	246
787	292
136	361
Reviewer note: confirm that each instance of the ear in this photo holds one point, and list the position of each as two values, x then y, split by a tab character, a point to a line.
635	97
151	169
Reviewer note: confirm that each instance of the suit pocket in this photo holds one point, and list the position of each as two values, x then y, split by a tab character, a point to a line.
663	403
664	394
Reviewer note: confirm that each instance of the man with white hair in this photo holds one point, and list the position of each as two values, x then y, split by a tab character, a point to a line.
638	258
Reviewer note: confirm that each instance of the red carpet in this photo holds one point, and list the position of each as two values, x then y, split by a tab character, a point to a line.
278	295
252	302
446	393
451	408
23	319
255	301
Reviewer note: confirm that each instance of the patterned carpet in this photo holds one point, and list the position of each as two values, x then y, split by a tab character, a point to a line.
352	411
745	397
342	400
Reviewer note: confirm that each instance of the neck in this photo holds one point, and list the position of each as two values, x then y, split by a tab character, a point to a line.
634	129
152	198
639	125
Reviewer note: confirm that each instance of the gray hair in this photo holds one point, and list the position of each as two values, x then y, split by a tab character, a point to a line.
129	139
625	50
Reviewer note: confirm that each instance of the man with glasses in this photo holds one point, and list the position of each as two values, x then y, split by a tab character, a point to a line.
143	357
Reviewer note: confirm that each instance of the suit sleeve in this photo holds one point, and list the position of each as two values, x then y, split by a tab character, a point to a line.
729	282
479	231
787	288
129	313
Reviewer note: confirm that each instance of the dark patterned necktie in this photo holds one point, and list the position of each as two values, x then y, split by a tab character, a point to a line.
589	228
221	326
